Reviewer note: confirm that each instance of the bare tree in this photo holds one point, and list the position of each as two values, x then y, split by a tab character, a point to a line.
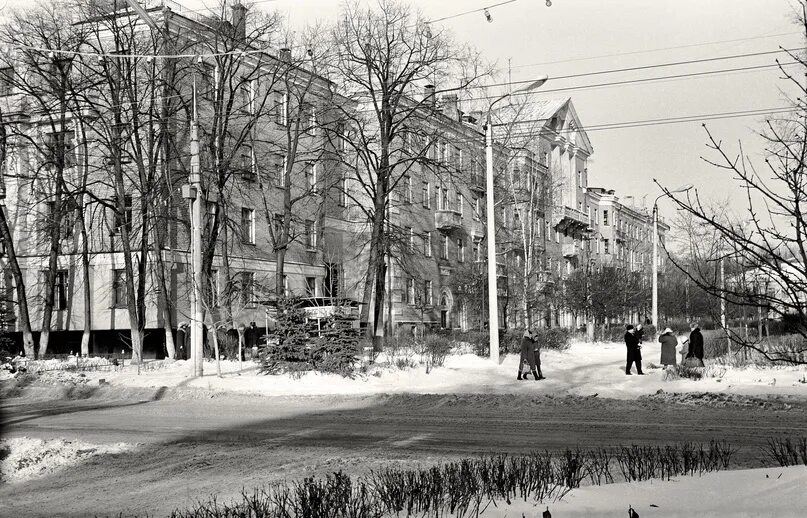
384	57
767	238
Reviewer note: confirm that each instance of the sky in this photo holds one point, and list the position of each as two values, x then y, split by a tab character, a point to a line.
584	36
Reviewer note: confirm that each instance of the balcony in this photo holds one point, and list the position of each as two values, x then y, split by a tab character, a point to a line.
447	220
570	250
572	220
478	183
620	235
477	230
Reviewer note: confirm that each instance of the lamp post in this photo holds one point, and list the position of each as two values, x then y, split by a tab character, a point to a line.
493	290
683	188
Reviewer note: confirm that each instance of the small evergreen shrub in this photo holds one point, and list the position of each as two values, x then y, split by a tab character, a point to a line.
337	348
291	353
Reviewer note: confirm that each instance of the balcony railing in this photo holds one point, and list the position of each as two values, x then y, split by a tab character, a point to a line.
570	250
572	219
447	220
478	183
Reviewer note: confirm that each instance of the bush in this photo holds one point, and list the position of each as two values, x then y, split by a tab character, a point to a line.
337	348
787	453
291	352
555	338
435	348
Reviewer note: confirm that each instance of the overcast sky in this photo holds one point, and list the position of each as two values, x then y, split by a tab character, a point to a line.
616	34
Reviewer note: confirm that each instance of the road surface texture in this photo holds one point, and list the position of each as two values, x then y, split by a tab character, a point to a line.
193	443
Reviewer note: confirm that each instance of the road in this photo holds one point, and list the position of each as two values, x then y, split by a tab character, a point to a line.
191	447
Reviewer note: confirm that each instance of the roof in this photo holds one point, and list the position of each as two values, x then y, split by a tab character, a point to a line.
543	111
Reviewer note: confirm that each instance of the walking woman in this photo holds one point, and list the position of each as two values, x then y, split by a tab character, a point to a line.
527	356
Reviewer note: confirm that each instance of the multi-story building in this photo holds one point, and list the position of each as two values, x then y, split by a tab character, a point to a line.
60	171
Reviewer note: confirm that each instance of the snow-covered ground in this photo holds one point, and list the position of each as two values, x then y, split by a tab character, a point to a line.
766	492
583	369
25	458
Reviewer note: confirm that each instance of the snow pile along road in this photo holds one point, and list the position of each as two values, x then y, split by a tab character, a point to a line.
24	458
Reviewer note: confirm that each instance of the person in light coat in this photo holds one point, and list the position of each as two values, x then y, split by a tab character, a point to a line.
669	343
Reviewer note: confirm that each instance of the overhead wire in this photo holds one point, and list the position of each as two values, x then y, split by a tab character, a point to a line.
481	9
648	51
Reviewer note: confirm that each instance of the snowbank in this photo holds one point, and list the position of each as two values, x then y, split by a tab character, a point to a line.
762	492
583	369
24	458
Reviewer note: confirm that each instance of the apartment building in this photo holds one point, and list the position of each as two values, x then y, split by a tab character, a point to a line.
245	174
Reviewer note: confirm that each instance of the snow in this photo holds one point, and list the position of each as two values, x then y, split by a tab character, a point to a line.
583	369
761	492
25	458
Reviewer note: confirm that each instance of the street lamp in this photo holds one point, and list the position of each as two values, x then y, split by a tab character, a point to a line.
683	188
493	290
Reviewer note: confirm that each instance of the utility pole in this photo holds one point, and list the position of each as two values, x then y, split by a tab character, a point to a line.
192	191
723	304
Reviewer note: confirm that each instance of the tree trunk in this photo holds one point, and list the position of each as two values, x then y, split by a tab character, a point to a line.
24	323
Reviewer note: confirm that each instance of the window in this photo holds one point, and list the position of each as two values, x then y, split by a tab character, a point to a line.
280	163
247	226
343	190
410	233
444	203
605	217
427	293
477	251
557	236
60	290
427	202
459	203
475	204
311	286
410	290
65	220
444	248
281	108
119	295
213	285
6	80
247	288
341	140
605	246
331	285
310	234
126	217
460	250
311	176
247	165
427	244
310	114
596	216
408	187
60	149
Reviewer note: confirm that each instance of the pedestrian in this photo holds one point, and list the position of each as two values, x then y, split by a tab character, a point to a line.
182	339
251	336
669	343
231	350
634	351
695	345
640	334
537	351
527	356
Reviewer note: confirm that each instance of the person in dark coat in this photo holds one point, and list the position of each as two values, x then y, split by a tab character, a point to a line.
668	347
640	334
634	351
695	343
231	350
182	341
536	347
527	356
251	337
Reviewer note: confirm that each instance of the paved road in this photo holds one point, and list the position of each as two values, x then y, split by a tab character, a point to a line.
191	448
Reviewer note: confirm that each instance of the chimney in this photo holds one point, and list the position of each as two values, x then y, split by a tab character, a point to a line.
285	55
428	95
449	105
239	17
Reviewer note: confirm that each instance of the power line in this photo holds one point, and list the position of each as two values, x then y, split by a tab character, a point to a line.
481	9
644	80
645	67
619	54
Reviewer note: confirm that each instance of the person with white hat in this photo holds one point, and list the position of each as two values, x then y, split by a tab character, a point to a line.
668	347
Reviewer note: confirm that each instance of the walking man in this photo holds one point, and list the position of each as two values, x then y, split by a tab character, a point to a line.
634	351
695	344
